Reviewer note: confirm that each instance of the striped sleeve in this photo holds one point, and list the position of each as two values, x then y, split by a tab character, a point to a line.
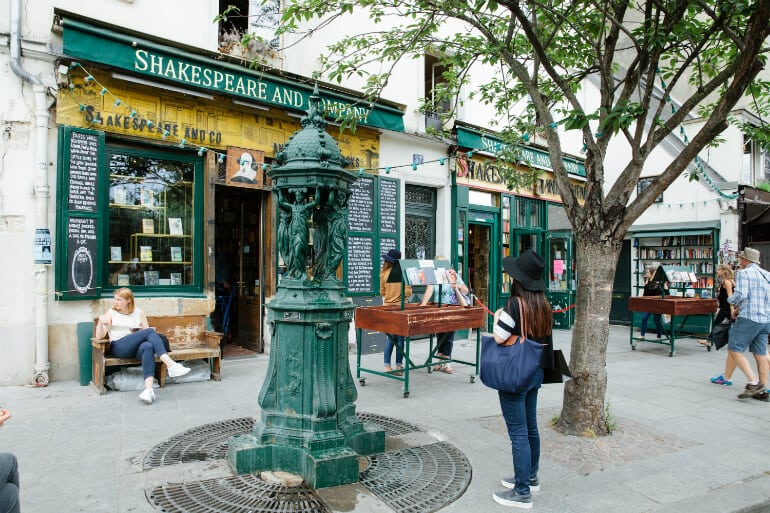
505	325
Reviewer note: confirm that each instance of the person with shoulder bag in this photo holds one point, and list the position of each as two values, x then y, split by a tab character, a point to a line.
726	313
527	314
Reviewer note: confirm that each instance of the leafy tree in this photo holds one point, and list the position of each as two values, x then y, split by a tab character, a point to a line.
540	53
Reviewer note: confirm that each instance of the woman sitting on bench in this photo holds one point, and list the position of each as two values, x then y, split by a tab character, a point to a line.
131	337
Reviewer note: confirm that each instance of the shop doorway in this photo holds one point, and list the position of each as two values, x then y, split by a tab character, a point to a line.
480	255
239	264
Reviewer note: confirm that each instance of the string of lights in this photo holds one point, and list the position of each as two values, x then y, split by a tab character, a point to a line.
133	113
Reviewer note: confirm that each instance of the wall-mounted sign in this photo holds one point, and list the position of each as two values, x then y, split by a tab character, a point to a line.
244	168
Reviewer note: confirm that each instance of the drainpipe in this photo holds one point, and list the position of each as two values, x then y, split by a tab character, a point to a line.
41	193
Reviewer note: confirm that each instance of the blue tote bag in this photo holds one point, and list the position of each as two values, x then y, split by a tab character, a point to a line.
510	368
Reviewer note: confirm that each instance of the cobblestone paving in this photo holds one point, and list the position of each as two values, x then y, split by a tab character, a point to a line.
629	442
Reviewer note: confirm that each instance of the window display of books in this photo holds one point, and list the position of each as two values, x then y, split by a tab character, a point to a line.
175	225
145	253
151	278
176	254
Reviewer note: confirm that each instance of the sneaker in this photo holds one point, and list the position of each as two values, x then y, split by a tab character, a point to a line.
147	396
752	390
177	370
720	380
763	396
510	483
513	499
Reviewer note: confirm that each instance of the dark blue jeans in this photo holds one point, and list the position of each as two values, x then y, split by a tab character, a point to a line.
9	483
396	341
445	342
520	414
658	323
142	345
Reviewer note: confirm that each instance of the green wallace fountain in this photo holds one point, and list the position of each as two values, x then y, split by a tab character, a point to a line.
308	424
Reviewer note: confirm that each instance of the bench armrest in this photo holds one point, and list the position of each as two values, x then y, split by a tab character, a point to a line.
213	338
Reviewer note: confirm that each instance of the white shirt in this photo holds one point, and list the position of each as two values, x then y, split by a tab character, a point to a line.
122	324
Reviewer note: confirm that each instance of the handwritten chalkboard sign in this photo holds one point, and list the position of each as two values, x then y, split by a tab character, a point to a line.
361	205
81	248
388	206
386	244
83	171
360	264
78	273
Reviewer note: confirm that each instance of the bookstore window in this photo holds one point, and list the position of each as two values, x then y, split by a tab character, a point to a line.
151	220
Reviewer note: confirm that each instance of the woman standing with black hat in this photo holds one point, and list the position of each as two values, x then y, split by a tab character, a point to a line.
520	409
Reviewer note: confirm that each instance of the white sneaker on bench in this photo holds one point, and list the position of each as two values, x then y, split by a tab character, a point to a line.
177	370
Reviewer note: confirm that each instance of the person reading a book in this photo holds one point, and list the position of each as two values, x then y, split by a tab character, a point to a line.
131	337
452	291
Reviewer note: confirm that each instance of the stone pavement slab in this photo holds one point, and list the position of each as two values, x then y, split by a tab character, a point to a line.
682	444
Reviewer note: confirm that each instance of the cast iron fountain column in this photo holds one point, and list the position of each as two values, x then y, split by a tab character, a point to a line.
308	423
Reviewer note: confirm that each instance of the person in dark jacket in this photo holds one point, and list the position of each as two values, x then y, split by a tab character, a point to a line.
651	288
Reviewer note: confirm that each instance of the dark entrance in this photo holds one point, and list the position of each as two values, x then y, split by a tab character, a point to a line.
239	263
621	289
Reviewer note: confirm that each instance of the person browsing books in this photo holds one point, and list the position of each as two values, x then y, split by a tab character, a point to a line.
131	337
391	295
651	288
452	292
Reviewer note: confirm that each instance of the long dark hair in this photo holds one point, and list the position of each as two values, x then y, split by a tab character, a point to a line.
537	309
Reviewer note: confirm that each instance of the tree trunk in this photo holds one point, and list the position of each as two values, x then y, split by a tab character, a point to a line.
583	408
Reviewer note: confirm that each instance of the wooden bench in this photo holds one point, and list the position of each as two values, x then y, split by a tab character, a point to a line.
187	336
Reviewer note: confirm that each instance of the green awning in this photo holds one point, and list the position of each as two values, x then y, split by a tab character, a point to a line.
674	229
154	59
535	157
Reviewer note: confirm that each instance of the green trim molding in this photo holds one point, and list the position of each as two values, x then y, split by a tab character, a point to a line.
161	60
535	157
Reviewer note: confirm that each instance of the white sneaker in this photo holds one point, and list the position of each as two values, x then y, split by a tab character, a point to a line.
147	396
177	370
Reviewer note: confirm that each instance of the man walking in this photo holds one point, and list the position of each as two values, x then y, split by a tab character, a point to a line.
751	328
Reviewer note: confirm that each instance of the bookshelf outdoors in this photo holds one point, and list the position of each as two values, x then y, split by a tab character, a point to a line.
696	253
688	259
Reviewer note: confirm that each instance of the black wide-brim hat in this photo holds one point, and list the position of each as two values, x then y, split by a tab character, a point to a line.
527	269
392	256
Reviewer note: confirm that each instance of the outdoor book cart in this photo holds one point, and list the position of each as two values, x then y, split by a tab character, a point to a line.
679	308
411	320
